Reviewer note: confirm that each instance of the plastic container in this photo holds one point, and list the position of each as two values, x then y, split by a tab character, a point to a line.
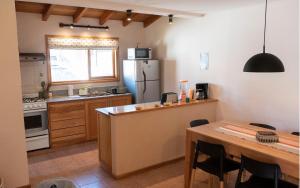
183	87
57	183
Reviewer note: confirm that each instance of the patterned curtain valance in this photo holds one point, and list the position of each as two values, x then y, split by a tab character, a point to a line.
77	42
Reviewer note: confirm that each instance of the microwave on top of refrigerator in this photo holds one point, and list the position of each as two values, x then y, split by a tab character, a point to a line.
139	53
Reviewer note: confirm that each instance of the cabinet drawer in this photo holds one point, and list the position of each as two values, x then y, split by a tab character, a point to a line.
67	123
68	132
67	140
64	111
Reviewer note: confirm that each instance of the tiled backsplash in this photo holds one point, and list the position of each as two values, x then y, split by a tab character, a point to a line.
32	73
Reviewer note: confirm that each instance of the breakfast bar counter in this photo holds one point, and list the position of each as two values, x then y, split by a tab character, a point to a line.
144	107
135	137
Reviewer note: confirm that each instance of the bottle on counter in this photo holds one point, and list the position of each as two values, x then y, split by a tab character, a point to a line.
183	87
191	94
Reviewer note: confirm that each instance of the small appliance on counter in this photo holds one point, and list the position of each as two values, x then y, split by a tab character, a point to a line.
202	91
84	91
118	90
169	97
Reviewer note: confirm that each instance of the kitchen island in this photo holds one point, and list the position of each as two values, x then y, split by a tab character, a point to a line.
135	137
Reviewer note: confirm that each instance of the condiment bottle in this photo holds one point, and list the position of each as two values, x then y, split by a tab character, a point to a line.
183	86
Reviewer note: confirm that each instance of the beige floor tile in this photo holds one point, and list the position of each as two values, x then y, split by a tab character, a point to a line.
80	164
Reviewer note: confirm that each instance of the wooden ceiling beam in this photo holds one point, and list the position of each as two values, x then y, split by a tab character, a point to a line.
126	22
150	20
79	13
105	16
48	10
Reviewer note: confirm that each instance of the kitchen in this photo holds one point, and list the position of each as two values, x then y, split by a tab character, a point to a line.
206	43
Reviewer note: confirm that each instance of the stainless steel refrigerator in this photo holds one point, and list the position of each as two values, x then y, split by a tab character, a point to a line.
142	79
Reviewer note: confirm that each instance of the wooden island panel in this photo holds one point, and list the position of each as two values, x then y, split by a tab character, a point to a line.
105	155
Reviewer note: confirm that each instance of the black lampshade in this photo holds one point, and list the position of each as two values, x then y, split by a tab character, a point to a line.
264	62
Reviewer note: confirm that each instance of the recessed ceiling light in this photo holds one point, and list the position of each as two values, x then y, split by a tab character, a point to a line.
129	13
170	18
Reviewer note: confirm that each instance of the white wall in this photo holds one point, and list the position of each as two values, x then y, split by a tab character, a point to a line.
13	159
231	37
31	37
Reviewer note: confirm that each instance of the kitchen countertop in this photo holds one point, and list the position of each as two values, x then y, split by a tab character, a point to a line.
119	110
77	97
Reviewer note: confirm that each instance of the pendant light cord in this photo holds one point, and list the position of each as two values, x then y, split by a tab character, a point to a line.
265	28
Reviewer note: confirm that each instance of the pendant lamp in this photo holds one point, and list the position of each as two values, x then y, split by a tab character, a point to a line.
264	62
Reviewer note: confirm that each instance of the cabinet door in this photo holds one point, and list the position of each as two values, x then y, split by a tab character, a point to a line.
120	101
91	106
66	110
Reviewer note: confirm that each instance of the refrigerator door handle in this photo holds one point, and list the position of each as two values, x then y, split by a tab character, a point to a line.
145	85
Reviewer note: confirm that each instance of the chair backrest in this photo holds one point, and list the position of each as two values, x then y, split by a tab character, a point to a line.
263	126
295	133
259	169
216	151
212	150
198	122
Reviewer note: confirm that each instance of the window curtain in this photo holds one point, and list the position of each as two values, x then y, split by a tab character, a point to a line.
82	43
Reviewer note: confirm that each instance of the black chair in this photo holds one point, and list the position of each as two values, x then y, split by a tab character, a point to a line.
295	133
263	126
198	122
264	175
216	163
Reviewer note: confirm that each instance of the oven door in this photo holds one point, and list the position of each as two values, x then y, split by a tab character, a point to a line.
35	122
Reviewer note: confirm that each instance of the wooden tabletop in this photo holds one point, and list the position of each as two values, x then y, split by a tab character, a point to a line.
144	107
289	162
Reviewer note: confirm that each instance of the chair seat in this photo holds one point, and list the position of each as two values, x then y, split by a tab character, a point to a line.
212	165
257	182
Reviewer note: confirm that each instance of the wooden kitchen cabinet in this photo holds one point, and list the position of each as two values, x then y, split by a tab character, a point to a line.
91	115
120	101
67	123
76	121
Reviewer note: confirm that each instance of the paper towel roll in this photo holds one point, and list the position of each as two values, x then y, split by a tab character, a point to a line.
70	90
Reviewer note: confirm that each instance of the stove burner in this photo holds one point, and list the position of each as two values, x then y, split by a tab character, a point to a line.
32	99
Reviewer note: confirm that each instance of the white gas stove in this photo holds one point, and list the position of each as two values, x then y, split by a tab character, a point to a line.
36	122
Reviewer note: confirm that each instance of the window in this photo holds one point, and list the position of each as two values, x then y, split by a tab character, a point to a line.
75	59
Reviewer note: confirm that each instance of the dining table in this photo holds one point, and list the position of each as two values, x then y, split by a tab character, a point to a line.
240	139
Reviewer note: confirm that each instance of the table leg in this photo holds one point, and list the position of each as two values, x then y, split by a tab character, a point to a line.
189	154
